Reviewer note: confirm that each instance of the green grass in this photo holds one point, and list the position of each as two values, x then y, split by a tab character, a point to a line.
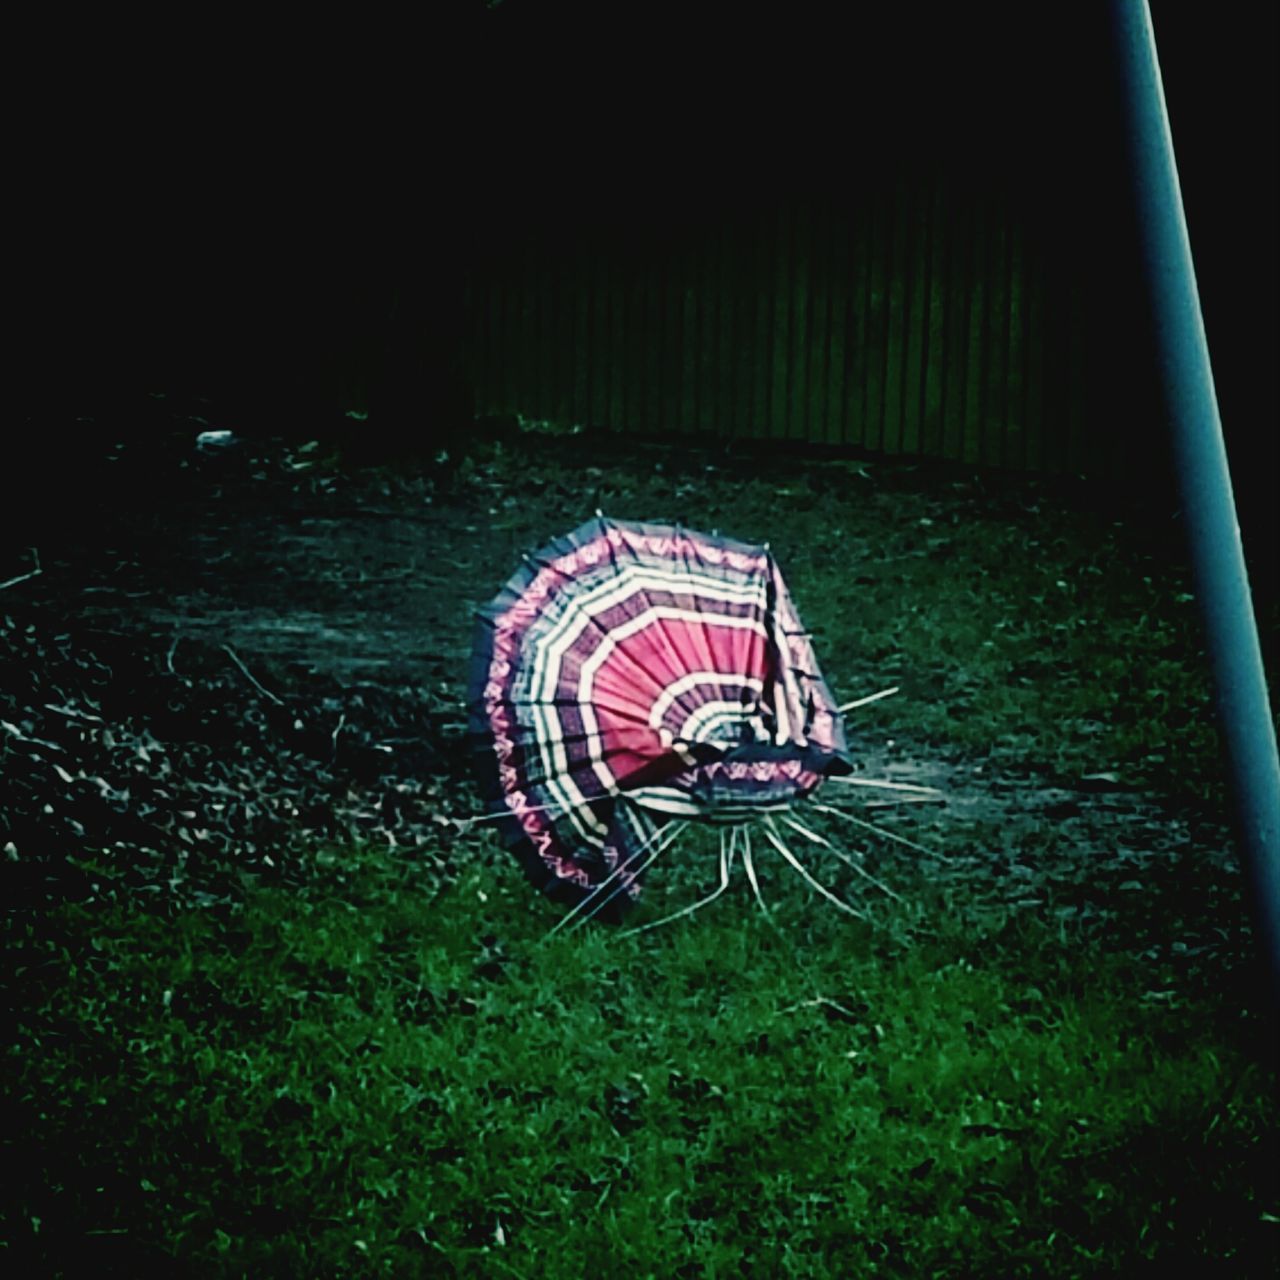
1041	1063
366	1077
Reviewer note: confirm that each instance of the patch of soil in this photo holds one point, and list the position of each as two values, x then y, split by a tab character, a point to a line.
254	653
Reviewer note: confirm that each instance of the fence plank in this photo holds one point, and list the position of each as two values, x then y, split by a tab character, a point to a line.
955	368
692	357
915	319
995	362
507	333
1055	376
975	333
763	300
855	380
934	325
780	332
672	271
744	328
1015	452
895	323
528	327
727	424
638	345
544	320
579	350
620	404
879	247
1033	395
798	364
1078	374
708	317
536	330
661	337
814	351
837	313
517	368
478	343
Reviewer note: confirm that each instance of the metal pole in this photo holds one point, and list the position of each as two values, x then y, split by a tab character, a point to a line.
1201	459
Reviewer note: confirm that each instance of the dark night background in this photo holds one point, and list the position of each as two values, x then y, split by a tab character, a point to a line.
234	211
280	1004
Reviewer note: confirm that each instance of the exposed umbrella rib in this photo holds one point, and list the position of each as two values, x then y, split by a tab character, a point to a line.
809	834
725	864
539	562
793	822
613	875
775	839
870	826
870	698
581	906
884	785
509	813
591	906
561	701
894	801
749	866
668	839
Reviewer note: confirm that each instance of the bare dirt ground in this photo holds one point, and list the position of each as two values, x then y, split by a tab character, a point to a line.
252	651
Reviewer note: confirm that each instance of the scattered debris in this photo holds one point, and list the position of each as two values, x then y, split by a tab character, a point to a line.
221	439
23	577
118	776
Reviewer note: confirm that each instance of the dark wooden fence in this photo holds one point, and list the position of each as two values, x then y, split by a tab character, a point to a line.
917	317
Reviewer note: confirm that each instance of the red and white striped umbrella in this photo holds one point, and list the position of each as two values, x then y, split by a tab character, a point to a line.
629	674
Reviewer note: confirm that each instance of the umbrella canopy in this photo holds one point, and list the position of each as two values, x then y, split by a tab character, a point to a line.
631	673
